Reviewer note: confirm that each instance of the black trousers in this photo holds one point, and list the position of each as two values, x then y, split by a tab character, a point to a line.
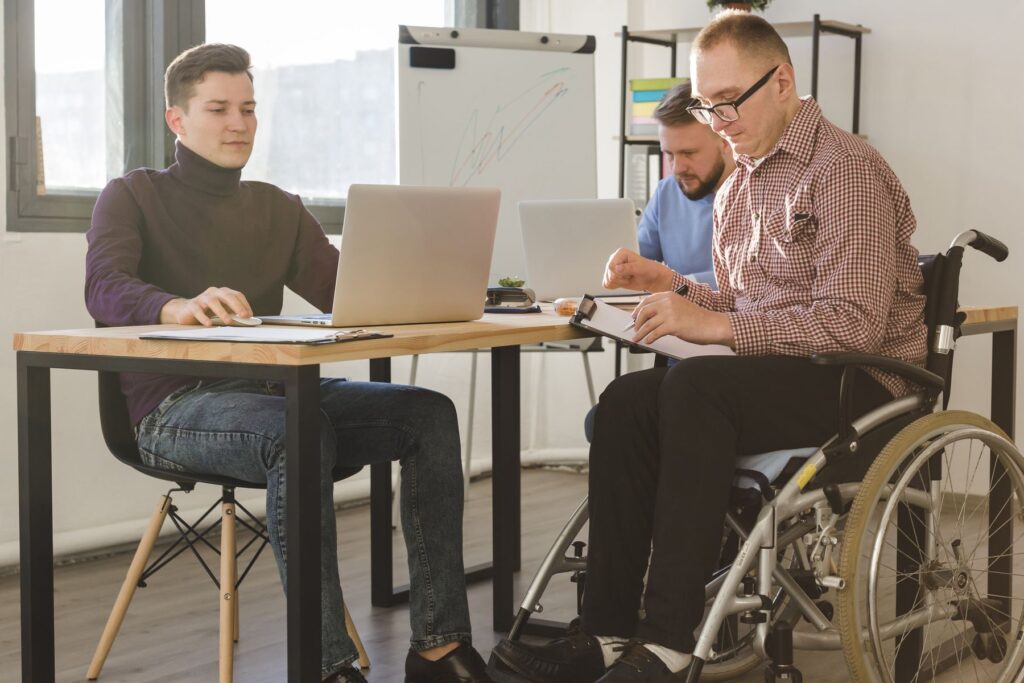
661	468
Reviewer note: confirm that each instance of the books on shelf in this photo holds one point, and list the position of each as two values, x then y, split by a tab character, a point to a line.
636	128
655	83
646	95
643	171
644	109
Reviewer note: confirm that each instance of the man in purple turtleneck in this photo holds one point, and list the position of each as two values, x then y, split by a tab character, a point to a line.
193	241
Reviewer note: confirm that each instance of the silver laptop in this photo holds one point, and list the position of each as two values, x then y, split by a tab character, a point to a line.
567	244
411	255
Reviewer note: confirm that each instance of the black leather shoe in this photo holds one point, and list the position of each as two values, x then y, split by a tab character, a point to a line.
573	658
639	665
461	665
348	675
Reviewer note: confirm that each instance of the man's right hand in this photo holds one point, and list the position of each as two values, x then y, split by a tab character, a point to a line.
215	301
629	270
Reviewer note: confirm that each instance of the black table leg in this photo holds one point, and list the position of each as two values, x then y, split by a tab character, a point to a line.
35	495
1004	371
505	483
302	393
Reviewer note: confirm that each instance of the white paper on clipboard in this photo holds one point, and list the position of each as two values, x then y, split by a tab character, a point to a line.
609	321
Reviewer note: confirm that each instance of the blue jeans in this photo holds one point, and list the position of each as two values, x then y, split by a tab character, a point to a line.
237	428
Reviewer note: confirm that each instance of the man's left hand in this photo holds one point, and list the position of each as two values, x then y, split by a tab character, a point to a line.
668	313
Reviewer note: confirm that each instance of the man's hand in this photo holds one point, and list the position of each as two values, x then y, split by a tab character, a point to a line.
668	313
219	301
629	270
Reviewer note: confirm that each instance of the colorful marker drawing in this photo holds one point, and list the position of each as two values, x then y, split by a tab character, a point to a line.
483	145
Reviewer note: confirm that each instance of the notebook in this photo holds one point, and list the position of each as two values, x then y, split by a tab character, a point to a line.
410	255
616	323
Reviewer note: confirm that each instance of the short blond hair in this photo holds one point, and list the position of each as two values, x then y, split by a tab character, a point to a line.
748	33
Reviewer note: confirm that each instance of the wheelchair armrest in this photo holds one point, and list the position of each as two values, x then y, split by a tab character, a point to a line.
915	374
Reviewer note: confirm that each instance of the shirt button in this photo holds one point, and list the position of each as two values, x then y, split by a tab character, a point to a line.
756	215
753	258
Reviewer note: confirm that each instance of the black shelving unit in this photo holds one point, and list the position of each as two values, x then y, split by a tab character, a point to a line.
671	38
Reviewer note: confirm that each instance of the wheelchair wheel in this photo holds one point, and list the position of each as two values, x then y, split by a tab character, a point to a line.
933	569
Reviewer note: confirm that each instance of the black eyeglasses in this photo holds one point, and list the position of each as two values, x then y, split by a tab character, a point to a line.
728	111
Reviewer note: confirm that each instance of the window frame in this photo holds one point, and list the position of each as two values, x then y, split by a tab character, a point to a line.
142	37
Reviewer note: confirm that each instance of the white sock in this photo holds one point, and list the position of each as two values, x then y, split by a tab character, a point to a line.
610	648
675	660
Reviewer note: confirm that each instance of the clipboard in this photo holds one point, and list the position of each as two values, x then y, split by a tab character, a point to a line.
267	335
608	321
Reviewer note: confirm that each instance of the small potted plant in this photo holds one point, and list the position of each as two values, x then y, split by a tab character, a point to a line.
759	5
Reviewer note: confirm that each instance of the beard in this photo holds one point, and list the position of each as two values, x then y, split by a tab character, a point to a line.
707	185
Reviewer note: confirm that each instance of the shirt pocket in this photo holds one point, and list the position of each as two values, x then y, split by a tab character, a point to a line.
786	253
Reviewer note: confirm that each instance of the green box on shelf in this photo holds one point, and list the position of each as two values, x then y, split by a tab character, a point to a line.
655	83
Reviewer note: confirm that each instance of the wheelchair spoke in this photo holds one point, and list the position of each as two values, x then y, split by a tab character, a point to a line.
1009	519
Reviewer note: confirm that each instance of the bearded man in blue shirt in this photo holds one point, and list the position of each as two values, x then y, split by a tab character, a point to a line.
676	226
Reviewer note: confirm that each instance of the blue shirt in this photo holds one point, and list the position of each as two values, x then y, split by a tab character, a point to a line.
677	231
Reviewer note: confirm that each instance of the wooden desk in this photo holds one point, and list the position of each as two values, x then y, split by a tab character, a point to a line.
298	368
119	349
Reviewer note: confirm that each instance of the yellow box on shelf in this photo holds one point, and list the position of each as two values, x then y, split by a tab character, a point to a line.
644	109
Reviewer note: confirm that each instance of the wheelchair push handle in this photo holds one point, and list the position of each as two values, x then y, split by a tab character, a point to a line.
983	243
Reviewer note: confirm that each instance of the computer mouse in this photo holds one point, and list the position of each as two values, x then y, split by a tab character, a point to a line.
236	321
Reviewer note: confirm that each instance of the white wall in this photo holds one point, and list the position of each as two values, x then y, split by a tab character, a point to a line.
932	71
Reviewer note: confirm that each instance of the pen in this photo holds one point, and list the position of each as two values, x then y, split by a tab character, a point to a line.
681	290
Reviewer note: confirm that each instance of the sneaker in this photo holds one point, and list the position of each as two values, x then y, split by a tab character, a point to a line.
574	658
639	665
461	665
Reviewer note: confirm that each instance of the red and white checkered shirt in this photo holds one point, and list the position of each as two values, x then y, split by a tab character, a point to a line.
812	251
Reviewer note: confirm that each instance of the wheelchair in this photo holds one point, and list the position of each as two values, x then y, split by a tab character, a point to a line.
892	542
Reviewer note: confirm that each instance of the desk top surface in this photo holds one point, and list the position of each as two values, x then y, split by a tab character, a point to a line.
490	331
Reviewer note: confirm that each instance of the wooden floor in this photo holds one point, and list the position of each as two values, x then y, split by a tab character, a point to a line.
170	633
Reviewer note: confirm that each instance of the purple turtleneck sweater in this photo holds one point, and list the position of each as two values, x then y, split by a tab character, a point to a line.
160	235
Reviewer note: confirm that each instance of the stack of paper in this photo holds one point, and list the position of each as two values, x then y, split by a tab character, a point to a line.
616	323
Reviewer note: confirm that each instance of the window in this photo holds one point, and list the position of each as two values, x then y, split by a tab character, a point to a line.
325	97
58	120
83	88
72	118
84	94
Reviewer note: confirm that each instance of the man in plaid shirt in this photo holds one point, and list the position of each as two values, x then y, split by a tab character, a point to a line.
812	254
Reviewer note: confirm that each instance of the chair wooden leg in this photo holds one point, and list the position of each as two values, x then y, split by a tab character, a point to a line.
350	627
131	581
227	590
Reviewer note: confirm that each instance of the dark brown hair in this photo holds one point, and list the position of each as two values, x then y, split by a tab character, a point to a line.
671	111
193	64
748	33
